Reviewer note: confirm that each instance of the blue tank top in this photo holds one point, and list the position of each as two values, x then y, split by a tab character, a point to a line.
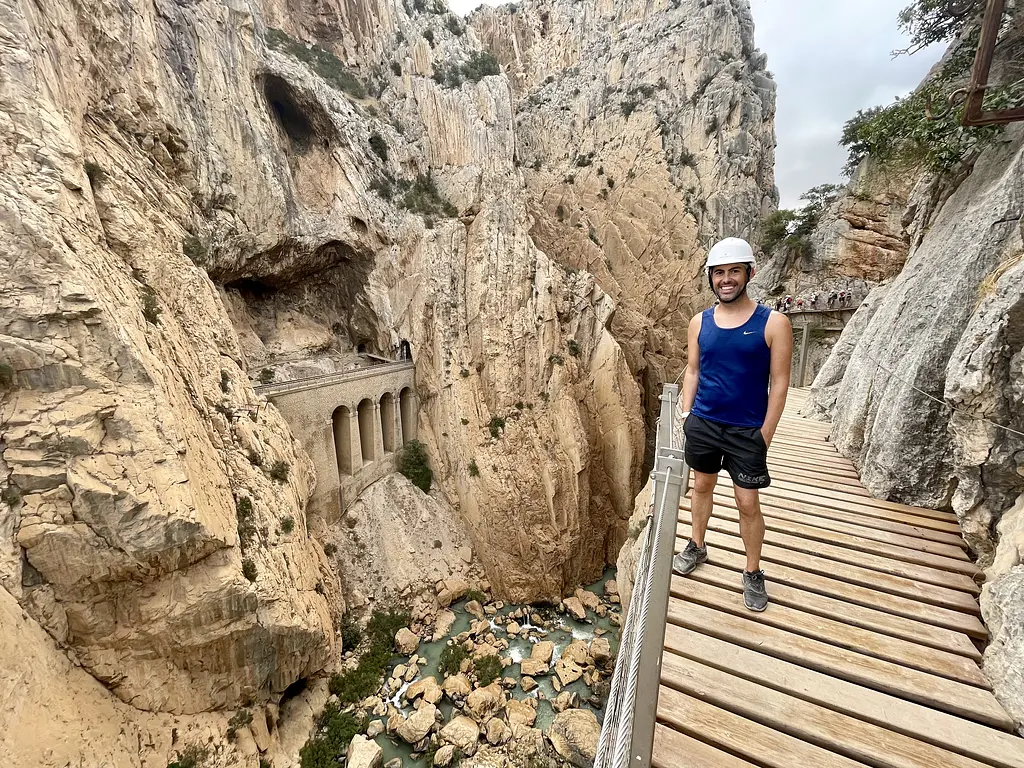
735	364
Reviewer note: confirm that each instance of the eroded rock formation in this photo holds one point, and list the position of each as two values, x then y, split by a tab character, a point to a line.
193	192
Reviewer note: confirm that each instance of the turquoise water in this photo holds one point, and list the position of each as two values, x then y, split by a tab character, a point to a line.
563	630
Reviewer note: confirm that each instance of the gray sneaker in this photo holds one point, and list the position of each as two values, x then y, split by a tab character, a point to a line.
755	596
689	558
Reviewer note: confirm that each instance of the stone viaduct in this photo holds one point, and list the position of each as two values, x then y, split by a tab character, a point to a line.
351	424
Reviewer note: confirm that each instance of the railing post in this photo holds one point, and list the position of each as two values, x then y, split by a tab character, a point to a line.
803	355
671	484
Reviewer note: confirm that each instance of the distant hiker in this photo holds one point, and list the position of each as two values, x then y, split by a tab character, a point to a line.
734	391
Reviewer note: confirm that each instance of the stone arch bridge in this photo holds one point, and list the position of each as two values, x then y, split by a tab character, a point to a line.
351	424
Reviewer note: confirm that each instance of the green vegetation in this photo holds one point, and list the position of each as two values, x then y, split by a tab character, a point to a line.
196	250
454	26
900	137
351	635
496	426
288	524
95	173
266	376
11	496
421	196
413	462
480	64
475	594
321	61
192	756
240	719
249	569
428	35
6	377
243	514
379	146
356	684
451	659
936	21
792	229
487	669
279	471
334	732
474	470
574	348
150	309
556	359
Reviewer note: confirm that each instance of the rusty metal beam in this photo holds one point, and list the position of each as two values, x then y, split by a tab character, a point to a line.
974	114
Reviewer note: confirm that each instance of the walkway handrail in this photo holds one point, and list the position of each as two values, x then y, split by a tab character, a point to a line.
309	382
627	734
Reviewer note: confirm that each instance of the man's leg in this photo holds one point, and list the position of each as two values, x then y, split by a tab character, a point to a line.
751	525
701	505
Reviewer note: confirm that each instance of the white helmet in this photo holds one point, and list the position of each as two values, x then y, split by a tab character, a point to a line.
731	250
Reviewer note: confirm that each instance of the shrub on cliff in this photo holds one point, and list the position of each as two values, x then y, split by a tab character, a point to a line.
279	471
356	684
422	196
192	756
6	377
334	732
413	463
321	61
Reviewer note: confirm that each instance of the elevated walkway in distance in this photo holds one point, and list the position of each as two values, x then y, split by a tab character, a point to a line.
866	654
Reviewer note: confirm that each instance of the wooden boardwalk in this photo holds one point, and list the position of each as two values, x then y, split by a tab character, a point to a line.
867	654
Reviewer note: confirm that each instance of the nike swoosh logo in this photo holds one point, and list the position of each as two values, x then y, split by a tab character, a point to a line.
749	333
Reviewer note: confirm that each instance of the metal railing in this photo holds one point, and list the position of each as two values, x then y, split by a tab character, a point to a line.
323	380
627	735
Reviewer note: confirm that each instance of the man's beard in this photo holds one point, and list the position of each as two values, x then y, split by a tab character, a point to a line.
739	294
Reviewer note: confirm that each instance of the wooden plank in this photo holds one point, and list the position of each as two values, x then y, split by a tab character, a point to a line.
810	465
815	538
954	539
677	750
872	565
834	461
872	581
727	552
833	632
786	466
956	734
818	481
934	514
839	610
935	692
741	736
843	734
781	493
863	529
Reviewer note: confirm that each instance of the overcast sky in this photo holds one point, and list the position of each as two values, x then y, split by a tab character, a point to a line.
830	58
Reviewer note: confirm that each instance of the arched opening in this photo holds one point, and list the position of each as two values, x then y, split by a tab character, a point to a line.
404	350
407	404
342	423
387	421
366	410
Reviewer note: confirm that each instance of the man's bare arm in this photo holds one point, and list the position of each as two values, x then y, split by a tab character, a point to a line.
692	364
779	336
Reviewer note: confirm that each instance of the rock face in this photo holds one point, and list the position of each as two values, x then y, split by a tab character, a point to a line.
235	199
926	388
860	241
574	734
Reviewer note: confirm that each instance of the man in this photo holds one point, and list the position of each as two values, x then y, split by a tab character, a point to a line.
734	391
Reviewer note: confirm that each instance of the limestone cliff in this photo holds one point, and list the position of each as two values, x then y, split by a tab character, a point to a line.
926	386
192	192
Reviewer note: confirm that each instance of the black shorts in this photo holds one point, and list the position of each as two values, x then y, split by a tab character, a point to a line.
710	446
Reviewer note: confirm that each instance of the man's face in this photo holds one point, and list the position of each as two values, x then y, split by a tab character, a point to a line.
729	281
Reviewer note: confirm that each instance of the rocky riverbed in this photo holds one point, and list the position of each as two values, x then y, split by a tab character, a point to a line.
484	683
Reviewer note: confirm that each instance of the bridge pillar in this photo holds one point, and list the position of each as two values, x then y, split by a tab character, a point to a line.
409	411
378	433
355	449
391	421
